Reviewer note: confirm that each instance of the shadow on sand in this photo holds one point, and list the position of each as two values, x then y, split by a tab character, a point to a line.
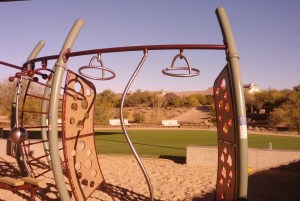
275	184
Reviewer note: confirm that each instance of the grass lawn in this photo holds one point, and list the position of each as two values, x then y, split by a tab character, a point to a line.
166	143
155	143
173	143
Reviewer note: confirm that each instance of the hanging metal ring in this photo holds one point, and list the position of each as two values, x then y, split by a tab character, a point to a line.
191	71
101	67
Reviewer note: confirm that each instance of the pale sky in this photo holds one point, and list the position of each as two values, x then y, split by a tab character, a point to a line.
266	34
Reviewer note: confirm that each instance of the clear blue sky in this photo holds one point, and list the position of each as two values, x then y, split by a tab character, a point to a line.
266	34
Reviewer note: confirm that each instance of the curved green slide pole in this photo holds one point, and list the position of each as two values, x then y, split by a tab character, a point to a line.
60	67
44	117
239	103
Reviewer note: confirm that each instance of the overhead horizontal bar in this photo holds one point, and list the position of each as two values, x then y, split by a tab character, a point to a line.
136	48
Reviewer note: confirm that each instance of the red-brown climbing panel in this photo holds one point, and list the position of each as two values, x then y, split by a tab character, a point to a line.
226	175
83	169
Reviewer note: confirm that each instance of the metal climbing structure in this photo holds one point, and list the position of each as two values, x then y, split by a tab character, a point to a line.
75	107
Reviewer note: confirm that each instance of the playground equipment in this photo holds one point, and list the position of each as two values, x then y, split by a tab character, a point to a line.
76	104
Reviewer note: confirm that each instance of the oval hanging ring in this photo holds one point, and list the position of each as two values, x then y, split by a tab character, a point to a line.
191	71
101	67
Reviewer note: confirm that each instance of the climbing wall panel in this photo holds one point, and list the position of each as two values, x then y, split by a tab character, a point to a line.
227	139
81	160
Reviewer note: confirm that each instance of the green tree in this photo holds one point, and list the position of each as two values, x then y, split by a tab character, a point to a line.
104	104
109	97
140	98
7	90
190	101
288	113
200	98
171	100
139	117
297	88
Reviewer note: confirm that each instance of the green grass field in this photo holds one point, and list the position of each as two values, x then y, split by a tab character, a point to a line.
173	143
166	143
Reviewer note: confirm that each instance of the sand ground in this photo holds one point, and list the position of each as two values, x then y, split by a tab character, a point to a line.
170	181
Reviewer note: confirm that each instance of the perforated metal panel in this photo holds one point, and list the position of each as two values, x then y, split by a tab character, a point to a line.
227	147
81	160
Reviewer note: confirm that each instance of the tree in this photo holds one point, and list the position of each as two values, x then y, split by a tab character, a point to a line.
171	100
140	98
104	104
139	117
109	97
297	88
288	113
190	101
200	98
7	90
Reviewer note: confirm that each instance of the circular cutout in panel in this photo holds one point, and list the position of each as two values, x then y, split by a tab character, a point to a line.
93	173
75	97
227	107
77	165
223	196
220	105
229	184
81	145
77	87
88	164
220	117
92	184
225	128
86	115
222	157
88	152
225	150
80	124
223	172
88	92
84	104
223	84
229	160
221	181
230	174
217	91
74	106
72	120
79	175
84	183
73	153
225	96
229	122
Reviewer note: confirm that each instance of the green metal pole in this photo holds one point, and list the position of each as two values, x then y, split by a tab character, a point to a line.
233	60
60	67
44	116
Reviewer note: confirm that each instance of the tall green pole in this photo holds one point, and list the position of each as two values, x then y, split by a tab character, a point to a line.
239	104
59	68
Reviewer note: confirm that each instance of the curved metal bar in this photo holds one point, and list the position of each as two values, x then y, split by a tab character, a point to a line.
192	71
15	116
10	65
60	67
136	48
101	67
44	130
240	111
124	128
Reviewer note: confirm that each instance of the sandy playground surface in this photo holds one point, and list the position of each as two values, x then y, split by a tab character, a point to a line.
170	181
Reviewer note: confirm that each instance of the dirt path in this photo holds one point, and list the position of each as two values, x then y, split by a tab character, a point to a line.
195	115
